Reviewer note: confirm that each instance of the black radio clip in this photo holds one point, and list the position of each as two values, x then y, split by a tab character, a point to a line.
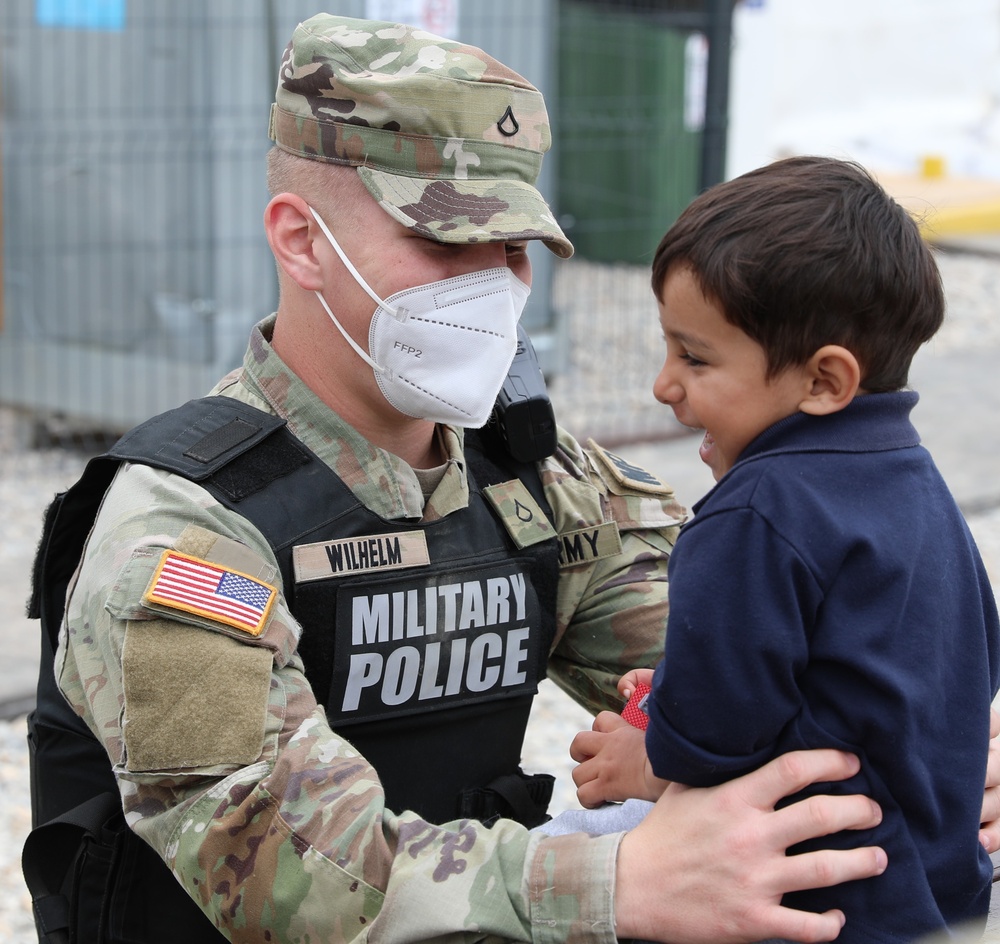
522	417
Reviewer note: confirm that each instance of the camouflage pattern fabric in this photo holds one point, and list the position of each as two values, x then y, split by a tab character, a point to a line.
448	140
280	831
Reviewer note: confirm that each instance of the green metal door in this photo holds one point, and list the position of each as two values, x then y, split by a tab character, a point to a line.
627	164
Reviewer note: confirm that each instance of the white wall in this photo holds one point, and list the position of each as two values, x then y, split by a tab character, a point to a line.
881	81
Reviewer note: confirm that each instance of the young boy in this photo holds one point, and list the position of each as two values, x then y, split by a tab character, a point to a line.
827	592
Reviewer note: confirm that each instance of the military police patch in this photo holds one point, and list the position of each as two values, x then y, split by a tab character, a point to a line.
429	641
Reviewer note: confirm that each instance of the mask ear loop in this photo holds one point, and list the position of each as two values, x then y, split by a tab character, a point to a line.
357	347
350	265
357	277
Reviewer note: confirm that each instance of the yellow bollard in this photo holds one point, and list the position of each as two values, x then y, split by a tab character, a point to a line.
932	166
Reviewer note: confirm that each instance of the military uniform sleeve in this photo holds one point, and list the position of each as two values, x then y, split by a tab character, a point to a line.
229	770
612	600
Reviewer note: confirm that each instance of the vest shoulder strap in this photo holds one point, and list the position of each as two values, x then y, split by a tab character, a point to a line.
194	440
197	439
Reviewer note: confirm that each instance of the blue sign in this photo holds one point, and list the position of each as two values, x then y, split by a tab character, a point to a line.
81	14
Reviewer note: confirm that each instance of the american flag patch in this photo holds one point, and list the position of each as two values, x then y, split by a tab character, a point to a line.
226	596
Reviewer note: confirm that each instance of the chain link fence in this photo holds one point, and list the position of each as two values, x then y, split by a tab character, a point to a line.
133	140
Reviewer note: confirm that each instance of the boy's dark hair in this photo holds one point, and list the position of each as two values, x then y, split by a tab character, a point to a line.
811	251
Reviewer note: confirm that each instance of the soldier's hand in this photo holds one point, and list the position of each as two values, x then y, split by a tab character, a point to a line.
709	865
989	835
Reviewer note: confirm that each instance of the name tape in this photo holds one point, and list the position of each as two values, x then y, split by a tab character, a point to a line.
366	554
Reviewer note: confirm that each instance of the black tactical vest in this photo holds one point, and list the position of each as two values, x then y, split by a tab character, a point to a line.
424	643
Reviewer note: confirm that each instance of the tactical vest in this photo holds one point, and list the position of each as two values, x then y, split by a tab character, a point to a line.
421	641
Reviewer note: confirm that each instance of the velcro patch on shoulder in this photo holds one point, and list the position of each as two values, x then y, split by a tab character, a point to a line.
192	698
521	516
226	596
626	474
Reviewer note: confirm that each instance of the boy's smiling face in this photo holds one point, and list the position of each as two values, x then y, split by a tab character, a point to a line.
715	375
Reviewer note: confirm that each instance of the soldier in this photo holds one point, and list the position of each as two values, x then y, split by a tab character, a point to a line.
314	606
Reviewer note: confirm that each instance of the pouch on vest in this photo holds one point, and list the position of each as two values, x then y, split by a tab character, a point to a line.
518	796
80	869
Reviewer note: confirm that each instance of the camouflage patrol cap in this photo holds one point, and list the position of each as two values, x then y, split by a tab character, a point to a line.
448	140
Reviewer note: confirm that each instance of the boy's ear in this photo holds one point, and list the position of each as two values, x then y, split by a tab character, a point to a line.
835	378
291	230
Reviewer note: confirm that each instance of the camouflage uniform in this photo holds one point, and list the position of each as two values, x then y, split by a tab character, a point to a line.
270	820
226	764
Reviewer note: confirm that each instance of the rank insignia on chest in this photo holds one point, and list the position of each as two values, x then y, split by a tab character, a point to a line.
521	516
196	586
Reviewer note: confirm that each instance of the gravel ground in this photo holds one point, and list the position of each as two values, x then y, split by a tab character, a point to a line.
29	479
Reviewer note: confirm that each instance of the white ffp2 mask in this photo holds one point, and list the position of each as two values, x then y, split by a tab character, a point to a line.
441	351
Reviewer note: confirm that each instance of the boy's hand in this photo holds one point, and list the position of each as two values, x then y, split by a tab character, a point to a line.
989	835
628	682
612	763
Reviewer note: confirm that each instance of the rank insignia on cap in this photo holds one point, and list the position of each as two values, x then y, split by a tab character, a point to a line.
205	589
508	125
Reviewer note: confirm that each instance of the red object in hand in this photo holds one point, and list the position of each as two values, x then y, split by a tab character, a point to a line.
635	711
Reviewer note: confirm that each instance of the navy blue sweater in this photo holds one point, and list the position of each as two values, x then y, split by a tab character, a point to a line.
828	593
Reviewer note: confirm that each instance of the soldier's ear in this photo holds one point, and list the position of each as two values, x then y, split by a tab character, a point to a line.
835	379
293	234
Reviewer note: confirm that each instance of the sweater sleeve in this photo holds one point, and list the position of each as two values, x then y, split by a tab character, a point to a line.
740	599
